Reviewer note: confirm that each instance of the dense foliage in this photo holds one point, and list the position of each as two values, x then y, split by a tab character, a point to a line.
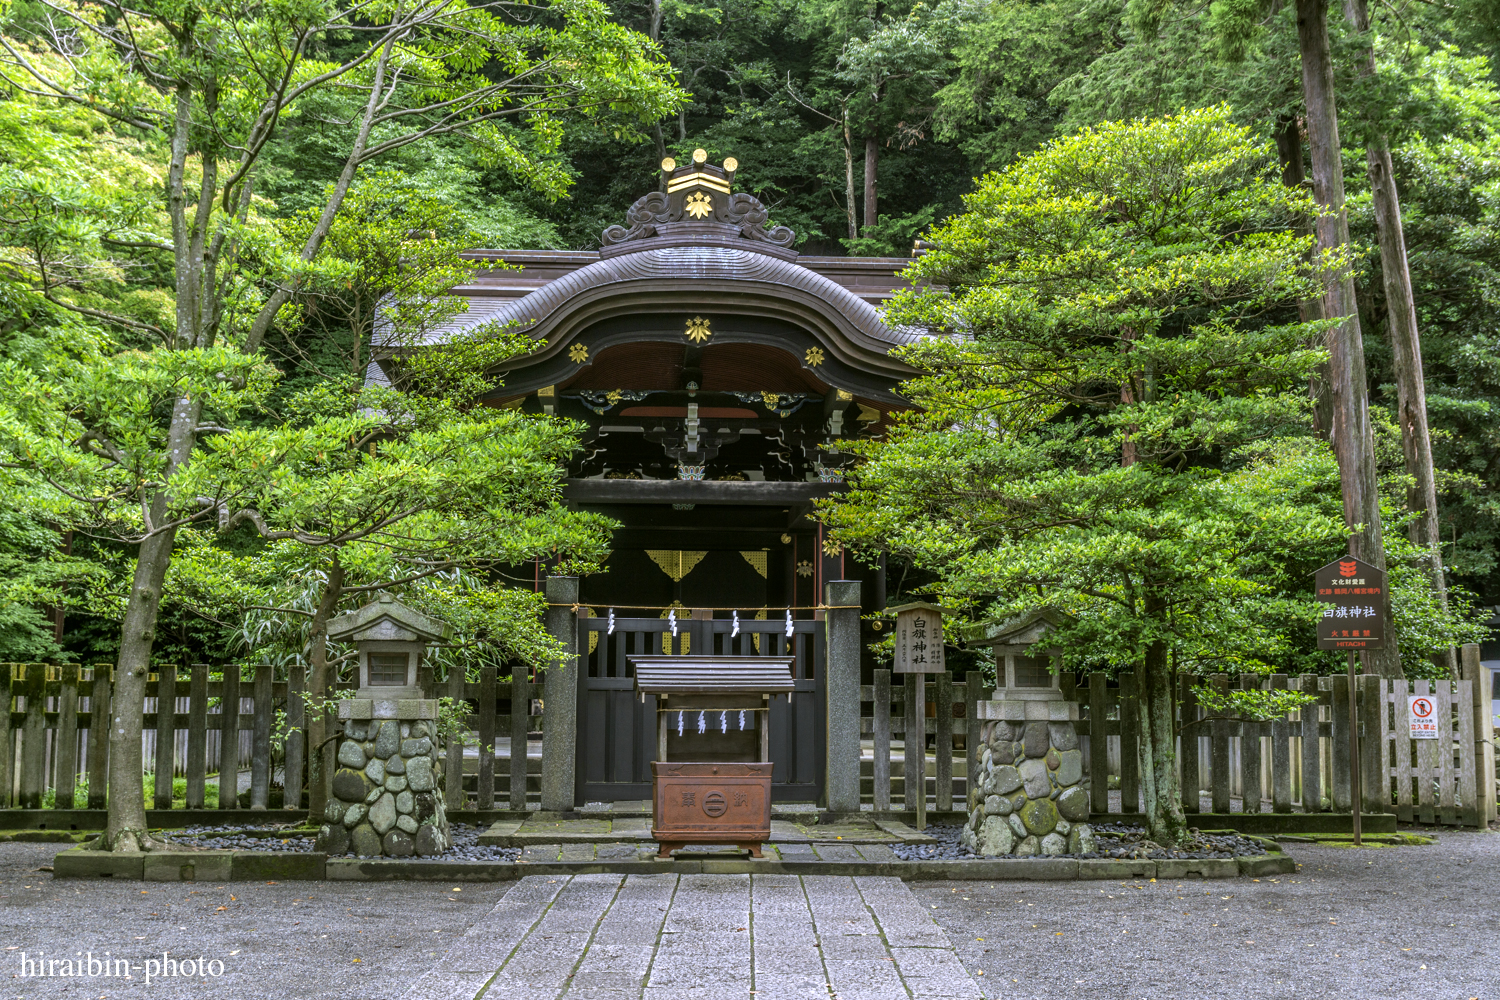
210	211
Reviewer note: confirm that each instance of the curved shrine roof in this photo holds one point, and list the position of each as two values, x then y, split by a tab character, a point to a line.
696	248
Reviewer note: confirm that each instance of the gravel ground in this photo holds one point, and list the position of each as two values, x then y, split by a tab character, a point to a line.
1407	922
278	941
1401	923
465	842
1114	840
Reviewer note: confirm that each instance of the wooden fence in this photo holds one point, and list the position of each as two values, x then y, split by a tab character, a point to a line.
1297	763
50	737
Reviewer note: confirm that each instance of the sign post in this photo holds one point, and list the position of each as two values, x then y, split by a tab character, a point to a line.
1355	619
919	650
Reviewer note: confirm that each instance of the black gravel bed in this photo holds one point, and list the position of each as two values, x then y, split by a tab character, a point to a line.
237	838
1115	841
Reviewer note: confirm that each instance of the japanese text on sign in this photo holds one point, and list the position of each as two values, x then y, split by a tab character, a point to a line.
1422	714
919	640
1355	594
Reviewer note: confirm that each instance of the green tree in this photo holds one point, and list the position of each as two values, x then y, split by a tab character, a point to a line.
1110	418
210	83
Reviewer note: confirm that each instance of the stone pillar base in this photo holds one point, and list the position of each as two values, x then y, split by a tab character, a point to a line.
1030	795
387	794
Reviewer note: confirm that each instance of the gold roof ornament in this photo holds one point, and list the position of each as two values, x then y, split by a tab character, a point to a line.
669	164
698	205
578	354
697	330
700	155
813	357
731	165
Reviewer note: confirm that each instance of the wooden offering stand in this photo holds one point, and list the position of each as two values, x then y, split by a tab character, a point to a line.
713	786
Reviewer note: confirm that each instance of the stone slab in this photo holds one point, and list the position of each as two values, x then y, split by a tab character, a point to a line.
82	863
188	866
257	866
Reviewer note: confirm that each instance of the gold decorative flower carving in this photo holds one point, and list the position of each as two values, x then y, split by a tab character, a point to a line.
813	357
831	548
771	399
578	354
804	568
698	205
697	330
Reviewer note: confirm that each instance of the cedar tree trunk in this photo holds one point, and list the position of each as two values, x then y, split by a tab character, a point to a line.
1406	343
1353	440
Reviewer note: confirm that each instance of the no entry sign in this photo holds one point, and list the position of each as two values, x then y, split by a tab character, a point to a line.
1422	713
1356	597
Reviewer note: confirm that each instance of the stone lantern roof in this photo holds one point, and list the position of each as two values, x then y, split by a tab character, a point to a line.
388	620
1019	633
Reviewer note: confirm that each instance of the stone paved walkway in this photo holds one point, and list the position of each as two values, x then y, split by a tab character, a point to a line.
702	937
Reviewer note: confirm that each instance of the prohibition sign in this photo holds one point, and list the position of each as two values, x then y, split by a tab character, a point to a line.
1423	717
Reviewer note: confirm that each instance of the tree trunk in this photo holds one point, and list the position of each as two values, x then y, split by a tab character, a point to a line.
1406	343
319	756
872	159
849	175
1289	151
1161	798
1353	440
125	825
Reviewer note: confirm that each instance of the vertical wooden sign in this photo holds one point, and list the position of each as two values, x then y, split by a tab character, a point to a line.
919	639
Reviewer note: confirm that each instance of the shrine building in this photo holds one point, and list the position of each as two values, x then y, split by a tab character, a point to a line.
718	373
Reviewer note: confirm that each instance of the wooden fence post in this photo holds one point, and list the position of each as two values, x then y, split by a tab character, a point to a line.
196	769
1468	802
33	736
973	694
99	699
914	753
453	778
66	747
1426	768
1445	699
485	773
880	726
1338	730
229	737
1478	675
1187	745
1281	754
294	757
260	739
1375	781
163	726
1403	750
1250	733
1312	785
943	738
520	725
1130	761
7	738
1098	743
1218	758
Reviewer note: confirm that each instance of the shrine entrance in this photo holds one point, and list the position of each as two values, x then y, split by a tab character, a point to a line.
617	734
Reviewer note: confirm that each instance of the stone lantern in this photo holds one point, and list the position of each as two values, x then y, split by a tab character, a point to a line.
1028	794
387	796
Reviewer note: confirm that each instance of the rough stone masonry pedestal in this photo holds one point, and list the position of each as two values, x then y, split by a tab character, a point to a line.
387	794
1031	797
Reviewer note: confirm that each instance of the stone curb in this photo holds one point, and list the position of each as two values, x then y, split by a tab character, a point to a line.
230	866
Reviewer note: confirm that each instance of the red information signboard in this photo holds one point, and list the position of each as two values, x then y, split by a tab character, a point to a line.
1356	597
